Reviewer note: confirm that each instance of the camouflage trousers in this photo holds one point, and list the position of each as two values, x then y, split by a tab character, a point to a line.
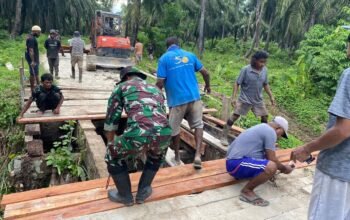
126	148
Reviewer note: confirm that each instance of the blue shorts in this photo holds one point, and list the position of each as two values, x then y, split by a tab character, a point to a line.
245	167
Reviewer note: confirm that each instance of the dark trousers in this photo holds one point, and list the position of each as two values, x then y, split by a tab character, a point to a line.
53	64
48	101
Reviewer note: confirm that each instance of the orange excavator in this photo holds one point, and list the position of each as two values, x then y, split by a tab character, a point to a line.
108	48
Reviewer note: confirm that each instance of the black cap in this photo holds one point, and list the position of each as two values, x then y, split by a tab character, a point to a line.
131	70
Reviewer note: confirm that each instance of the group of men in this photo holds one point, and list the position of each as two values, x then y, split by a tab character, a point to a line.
53	47
252	155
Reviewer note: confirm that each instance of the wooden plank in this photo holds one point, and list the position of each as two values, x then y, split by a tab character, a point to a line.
83	96
189	139
164	176
14	211
69	110
84	102
49	117
167	191
58	118
221	123
208	138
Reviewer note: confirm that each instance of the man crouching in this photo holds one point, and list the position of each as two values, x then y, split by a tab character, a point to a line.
47	96
147	133
252	156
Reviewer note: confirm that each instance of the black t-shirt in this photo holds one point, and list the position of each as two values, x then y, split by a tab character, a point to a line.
40	89
52	47
32	43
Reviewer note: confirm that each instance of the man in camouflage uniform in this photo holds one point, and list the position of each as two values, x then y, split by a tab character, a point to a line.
147	133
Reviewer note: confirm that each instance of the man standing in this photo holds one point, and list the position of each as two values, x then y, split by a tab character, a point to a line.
150	50
32	56
177	73
77	54
53	46
47	96
147	134
252	79
138	51
330	197
252	156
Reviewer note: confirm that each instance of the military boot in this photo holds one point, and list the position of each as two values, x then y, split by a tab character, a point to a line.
144	189
123	192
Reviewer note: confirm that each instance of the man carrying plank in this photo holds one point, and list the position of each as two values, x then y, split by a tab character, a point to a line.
252	156
47	96
147	134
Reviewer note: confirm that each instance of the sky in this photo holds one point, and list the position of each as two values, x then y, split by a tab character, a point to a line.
117	5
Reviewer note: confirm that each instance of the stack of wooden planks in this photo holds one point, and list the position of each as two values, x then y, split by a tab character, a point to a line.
83	198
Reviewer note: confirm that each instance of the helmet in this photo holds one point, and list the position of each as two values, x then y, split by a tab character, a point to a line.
131	70
52	31
36	28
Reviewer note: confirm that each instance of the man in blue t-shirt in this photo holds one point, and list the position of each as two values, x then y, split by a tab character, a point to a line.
330	197
177	74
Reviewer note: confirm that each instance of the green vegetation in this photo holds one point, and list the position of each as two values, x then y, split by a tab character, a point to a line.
11	135
61	155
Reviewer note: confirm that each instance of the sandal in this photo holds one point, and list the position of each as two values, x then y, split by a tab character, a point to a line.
254	200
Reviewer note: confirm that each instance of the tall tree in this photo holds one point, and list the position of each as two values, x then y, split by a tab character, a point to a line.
16	30
258	17
201	28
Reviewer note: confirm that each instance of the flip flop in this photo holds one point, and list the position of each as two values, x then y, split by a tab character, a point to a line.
254	200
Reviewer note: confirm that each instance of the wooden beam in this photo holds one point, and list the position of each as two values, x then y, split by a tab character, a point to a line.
163	192
237	130
189	139
164	176
208	138
49	117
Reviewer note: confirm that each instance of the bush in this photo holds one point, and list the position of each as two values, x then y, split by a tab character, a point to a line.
322	57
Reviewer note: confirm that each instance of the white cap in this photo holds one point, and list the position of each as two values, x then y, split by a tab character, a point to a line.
36	28
283	123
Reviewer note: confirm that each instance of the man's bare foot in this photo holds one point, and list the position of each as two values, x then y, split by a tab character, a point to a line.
40	112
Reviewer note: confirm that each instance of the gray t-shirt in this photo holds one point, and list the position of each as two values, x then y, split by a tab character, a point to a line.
252	83
77	45
253	142
335	161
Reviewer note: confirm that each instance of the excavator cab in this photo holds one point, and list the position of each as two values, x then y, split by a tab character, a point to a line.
108	48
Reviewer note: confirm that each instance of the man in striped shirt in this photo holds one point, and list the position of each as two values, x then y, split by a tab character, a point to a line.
252	156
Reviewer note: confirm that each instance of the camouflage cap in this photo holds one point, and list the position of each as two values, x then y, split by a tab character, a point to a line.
131	70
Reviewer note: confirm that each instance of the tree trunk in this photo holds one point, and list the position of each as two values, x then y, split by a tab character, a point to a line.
256	39
201	29
18	19
136	21
312	19
269	33
247	30
223	32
